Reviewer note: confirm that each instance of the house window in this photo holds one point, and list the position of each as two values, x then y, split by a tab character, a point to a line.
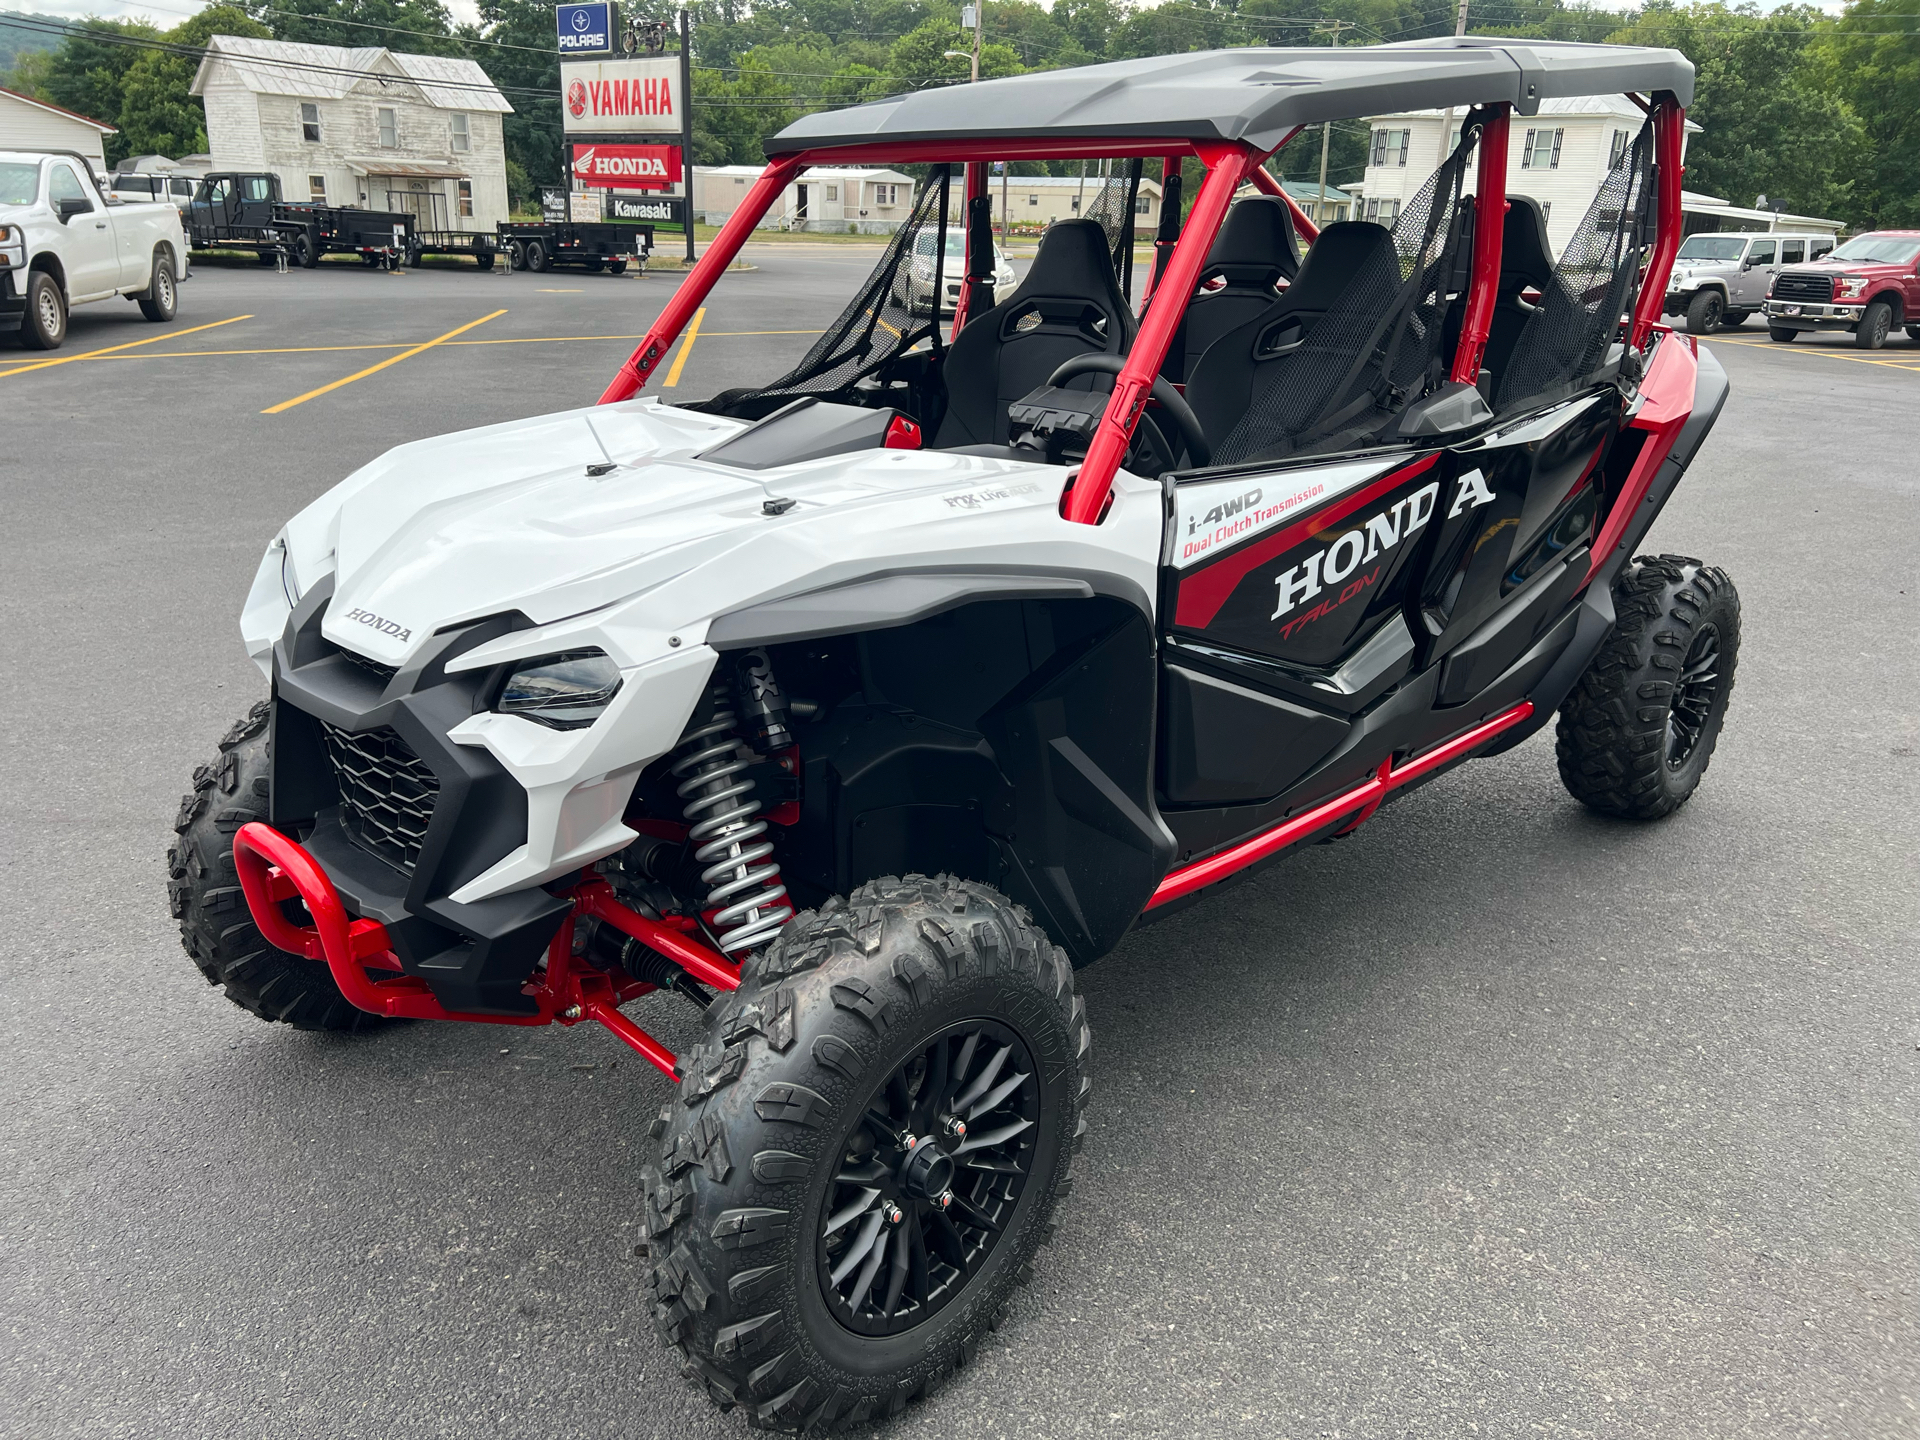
310	122
462	137
886	195
389	129
1541	151
1033	199
1074	204
1141	205
1546	209
833	192
740	180
1385	212
466	197
1390	146
1453	140
1617	151
317	189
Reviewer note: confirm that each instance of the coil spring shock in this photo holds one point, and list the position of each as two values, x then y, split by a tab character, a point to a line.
718	803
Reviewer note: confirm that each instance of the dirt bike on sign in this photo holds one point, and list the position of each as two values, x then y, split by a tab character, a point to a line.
977	645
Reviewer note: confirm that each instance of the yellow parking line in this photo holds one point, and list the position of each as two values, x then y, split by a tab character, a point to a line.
686	348
402	345
285	405
111	349
1885	362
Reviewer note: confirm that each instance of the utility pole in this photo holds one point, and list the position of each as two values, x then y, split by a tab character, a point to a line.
1326	131
972	17
1446	125
686	120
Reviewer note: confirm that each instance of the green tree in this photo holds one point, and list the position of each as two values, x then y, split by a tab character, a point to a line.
419	27
88	71
532	133
1870	56
158	115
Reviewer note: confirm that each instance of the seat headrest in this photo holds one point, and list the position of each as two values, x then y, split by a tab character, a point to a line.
1073	259
1343	250
1256	246
1524	257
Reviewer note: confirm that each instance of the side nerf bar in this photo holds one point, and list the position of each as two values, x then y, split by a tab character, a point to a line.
274	869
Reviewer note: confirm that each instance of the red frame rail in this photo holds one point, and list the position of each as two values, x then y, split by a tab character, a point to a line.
1489	237
274	869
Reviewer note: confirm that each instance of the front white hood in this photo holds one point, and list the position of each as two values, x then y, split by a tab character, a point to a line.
506	518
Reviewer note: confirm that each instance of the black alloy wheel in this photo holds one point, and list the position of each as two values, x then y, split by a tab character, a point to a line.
929	1179
1875	323
1693	696
1704	312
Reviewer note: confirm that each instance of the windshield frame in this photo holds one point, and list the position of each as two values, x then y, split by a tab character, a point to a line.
1740	242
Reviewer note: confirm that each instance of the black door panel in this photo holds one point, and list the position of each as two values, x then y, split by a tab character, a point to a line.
1476	662
1221	742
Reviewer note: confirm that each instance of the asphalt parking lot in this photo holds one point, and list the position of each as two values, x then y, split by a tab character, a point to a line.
1498	1119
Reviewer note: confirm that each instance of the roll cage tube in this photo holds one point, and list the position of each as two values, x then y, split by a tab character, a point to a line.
1227	168
1669	146
1489	232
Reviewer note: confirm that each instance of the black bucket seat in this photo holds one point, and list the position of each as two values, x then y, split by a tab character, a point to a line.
1255	250
1526	262
1069	304
1221	383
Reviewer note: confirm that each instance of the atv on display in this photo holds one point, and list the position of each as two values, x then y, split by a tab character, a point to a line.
983	643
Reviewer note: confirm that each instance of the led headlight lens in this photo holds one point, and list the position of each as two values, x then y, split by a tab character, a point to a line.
1849	287
564	692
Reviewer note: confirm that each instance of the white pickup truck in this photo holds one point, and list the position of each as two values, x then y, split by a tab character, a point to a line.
62	243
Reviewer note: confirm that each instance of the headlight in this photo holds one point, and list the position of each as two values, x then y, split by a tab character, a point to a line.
1849	287
563	692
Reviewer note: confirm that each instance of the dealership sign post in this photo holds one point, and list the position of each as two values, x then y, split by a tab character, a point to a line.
622	115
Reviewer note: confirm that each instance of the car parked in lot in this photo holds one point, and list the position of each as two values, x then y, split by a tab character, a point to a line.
915	285
1722	279
132	187
1869	285
62	244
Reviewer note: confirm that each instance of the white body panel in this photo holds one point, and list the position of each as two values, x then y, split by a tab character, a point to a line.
103	252
639	562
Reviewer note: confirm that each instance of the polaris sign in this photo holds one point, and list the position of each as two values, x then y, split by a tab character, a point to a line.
585	29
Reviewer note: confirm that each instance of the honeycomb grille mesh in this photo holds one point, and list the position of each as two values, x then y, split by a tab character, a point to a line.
387	793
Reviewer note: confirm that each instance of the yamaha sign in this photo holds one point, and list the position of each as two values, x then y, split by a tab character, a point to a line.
622	97
585	29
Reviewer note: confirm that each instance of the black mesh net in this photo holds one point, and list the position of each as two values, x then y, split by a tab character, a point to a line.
1567	337
1109	201
1378	347
893	311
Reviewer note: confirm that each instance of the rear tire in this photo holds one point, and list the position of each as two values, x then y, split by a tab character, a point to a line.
1875	321
306	250
854	1014
484	259
1782	335
537	260
516	256
203	890
1913	333
162	301
1637	732
616	267
1704	312
44	325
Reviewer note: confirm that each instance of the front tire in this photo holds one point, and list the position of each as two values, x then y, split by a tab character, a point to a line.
537	260
1638	730
802	1262
203	890
162	301
1704	312
1782	334
44	325
1875	321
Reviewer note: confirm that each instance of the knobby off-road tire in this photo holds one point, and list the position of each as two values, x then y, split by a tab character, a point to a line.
203	890
791	1094
1638	730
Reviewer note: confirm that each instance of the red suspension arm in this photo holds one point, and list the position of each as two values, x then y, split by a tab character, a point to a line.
1669	145
1088	497
694	289
1489	230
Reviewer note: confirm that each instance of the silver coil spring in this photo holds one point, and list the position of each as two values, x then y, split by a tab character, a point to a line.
743	882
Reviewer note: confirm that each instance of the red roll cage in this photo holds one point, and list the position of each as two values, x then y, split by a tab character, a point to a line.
1228	165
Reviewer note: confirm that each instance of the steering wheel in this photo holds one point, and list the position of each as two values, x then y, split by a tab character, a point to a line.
1199	453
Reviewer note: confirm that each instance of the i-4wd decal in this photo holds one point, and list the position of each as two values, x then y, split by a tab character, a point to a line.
1213	517
1305	591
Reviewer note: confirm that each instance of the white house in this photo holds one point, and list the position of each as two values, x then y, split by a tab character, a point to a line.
1559	157
368	127
28	124
871	201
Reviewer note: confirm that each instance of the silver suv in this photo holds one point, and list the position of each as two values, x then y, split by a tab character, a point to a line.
1722	279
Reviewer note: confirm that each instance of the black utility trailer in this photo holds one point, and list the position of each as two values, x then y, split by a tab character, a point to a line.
482	245
244	211
540	245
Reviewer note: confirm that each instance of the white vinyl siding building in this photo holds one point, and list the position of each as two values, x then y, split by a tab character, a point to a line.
27	124
366	127
1558	157
871	201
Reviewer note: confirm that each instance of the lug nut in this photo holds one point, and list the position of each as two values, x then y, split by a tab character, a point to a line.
893	1213
944	1199
955	1127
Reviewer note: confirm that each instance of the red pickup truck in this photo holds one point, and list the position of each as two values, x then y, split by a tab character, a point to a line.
1869	285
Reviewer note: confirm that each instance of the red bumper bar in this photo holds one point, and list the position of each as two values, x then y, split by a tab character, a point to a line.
274	869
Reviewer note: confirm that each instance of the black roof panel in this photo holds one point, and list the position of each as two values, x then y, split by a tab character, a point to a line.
1252	94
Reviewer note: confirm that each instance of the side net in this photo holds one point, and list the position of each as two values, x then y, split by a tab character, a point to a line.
1567	337
894	310
1379	345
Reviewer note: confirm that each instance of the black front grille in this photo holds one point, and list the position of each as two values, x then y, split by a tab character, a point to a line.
372	667
1789	286
387	793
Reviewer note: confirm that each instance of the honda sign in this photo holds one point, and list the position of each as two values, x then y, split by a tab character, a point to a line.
627	167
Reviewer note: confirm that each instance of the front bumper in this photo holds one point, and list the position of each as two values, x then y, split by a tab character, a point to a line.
12	302
477	956
1812	314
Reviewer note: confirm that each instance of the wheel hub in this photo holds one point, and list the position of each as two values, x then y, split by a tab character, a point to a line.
927	1171
1693	696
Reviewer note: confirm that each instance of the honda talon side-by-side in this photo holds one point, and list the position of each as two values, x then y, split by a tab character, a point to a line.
860	708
